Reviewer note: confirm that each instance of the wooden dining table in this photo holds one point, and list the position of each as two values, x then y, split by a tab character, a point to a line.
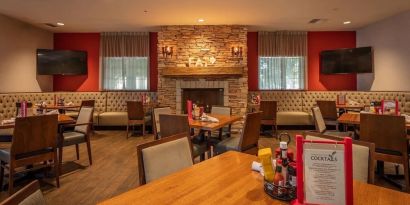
62	120
354	119
228	179
224	120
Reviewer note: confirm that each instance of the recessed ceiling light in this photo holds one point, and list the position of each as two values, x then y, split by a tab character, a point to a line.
201	20
347	22
60	24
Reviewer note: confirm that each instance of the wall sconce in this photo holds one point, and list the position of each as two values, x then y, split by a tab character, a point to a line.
167	51
237	51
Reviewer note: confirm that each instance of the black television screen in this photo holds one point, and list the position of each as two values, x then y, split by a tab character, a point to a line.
354	60
61	62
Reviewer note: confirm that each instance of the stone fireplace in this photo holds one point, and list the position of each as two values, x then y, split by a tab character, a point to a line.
191	43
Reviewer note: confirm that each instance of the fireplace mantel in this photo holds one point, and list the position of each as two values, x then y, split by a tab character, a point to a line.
202	72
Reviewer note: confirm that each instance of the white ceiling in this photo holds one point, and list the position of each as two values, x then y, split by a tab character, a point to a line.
129	15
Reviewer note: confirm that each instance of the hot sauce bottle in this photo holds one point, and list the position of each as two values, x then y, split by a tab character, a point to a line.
278	179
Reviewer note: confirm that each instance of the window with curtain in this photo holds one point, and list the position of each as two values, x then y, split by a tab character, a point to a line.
125	61
282	60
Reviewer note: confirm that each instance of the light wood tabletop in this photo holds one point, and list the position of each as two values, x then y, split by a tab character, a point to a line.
354	119
224	120
61	107
62	119
347	106
228	179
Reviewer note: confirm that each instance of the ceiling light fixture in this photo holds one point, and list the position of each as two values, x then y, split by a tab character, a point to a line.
60	24
347	22
201	20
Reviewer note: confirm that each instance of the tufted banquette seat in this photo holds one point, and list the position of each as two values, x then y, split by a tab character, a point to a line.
110	107
294	107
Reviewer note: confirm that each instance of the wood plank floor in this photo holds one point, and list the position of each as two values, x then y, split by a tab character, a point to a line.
113	172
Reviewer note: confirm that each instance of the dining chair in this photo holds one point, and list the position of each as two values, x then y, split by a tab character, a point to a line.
388	133
163	157
329	111
5	134
28	195
176	124
321	126
156	112
80	134
247	142
269	111
363	156
34	141
136	115
222	110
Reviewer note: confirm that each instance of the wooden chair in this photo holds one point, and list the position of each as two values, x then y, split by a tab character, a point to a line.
247	142
363	156
177	124
136	115
321	126
163	157
156	124
269	111
222	110
329	111
28	195
80	134
388	133
34	141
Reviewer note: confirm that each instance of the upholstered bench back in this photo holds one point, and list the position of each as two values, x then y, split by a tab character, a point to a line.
287	100
76	98
8	101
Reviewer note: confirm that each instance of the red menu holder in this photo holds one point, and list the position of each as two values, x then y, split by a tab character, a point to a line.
347	142
396	108
189	108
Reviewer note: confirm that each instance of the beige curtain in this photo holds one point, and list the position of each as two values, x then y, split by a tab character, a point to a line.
125	44
282	43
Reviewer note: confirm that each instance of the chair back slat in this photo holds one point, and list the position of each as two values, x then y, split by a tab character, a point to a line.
319	121
387	132
88	103
251	131
34	134
269	110
135	110
85	116
328	109
30	194
221	110
173	124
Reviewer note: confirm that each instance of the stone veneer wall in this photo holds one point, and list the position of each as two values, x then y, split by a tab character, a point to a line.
187	41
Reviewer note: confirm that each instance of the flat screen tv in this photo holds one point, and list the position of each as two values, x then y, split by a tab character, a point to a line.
354	60
61	62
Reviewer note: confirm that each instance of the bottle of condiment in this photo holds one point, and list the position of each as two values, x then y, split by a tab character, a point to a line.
278	180
284	159
265	158
292	174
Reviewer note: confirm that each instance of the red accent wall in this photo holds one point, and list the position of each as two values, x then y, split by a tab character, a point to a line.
153	61
89	42
253	61
328	40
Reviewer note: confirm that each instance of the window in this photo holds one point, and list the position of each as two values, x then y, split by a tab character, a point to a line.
125	57
125	73
282	73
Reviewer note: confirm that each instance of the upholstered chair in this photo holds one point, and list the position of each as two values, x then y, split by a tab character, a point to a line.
321	126
80	134
28	195
156	113
221	110
247	141
154	164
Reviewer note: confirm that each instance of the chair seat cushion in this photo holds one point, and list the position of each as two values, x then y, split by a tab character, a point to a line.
198	149
228	144
339	134
71	138
74	114
294	118
5	155
116	119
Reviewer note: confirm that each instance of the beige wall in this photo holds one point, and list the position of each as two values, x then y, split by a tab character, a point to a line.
18	44
390	39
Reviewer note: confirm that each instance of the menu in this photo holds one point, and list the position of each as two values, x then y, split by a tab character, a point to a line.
324	173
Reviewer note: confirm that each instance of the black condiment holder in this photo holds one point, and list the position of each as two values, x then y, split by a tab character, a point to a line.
288	193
